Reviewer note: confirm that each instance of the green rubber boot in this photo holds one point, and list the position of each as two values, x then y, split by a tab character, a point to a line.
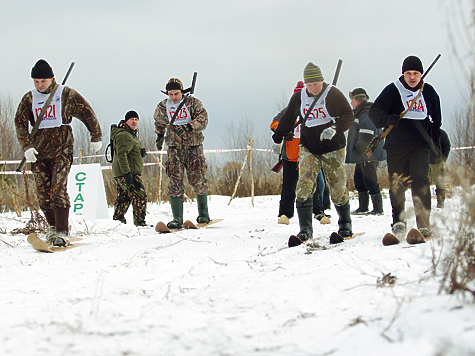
177	211
202	202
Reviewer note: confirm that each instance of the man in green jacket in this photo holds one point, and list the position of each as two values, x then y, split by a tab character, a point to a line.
127	167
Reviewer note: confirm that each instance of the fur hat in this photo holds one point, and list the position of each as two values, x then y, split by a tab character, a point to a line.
412	63
359	94
131	114
173	84
42	70
312	73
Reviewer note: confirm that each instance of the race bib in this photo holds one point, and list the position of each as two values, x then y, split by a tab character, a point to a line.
52	116
419	110
183	117
319	114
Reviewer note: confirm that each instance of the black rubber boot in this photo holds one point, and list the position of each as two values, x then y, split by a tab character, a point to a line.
363	198
344	221
202	202
49	216
61	216
304	212
177	211
377	200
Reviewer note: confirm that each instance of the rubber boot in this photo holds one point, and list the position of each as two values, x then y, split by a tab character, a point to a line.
177	211
202	202
344	221
377	200
61	216
363	198
440	198
49	216
304	212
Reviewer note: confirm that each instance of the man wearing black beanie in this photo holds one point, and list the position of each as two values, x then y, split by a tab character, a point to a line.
408	144
50	152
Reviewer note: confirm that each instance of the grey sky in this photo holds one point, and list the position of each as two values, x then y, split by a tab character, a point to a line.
248	54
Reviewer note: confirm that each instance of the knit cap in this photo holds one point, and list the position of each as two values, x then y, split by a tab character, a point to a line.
131	114
300	86
412	63
312	73
42	70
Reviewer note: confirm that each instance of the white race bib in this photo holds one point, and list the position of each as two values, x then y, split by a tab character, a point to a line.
52	117
419	110
183	117
319	114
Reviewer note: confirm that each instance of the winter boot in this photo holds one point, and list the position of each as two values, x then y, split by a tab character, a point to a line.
377	200
49	216
202	202
363	198
304	212
61	216
177	211
344	221
440	197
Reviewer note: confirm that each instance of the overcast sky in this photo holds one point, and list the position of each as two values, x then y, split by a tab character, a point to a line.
249	54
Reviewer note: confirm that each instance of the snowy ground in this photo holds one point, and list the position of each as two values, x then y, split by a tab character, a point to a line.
231	289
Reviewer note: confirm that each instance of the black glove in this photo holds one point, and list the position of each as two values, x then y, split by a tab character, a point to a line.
159	142
128	178
179	130
143	152
277	138
393	120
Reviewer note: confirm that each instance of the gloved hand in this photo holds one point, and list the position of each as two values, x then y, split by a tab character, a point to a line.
277	148
179	130
159	142
95	146
143	152
129	178
392	120
327	134
277	138
30	155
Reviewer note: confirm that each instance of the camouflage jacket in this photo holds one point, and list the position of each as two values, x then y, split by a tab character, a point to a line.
199	121
47	141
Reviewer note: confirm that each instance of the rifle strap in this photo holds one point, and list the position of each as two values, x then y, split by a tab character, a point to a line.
43	111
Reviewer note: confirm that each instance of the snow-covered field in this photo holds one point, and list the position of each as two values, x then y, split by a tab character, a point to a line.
231	289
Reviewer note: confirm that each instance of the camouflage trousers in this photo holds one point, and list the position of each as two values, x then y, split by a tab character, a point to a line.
51	178
127	194
333	165
191	159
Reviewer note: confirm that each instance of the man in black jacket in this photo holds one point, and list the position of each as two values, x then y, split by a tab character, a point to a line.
409	142
360	135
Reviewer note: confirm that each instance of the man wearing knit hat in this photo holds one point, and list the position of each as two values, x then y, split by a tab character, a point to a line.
327	116
50	152
408	144
360	135
127	167
185	149
290	156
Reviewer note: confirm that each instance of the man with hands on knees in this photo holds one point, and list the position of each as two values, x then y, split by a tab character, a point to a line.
50	151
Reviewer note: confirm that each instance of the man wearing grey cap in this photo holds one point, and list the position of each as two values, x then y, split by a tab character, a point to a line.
327	115
360	135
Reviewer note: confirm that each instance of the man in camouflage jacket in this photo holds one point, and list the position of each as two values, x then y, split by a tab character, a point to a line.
185	149
50	151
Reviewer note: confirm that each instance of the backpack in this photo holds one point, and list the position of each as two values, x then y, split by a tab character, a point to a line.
110	146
